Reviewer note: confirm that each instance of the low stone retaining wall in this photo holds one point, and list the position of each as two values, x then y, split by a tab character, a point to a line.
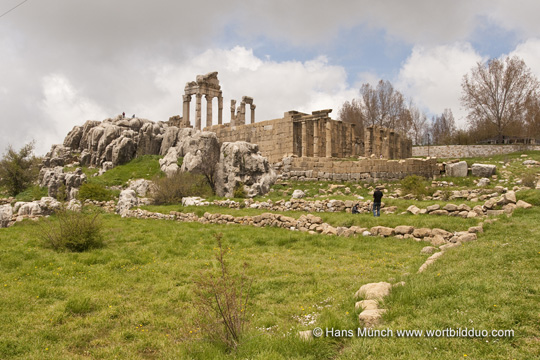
316	169
461	151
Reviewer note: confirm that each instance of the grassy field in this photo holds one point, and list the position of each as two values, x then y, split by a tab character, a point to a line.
134	298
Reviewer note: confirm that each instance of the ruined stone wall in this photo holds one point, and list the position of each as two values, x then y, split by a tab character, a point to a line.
274	137
460	151
309	168
315	135
386	143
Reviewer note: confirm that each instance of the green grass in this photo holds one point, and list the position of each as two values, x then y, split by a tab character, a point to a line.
143	167
32	193
133	297
489	284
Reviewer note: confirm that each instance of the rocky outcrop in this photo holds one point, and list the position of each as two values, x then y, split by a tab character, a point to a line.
56	180
115	140
242	163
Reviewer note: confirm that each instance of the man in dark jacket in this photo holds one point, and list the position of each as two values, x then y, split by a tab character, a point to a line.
377	196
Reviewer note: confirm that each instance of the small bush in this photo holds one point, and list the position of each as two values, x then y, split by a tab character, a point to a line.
72	231
171	190
239	190
529	180
416	185
97	192
222	300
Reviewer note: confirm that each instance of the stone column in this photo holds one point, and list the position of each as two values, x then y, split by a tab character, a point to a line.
328	139
315	138
252	107
185	114
233	112
391	142
198	112
208	110
242	114
220	110
303	149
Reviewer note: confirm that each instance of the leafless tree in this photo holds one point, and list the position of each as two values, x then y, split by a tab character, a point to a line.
351	112
383	106
443	128
418	124
497	93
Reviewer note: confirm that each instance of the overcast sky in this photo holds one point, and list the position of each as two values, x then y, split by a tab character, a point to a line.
63	62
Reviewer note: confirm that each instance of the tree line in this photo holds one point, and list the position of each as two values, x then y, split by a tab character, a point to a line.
501	97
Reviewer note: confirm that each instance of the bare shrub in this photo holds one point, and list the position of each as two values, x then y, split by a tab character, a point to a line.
222	299
171	190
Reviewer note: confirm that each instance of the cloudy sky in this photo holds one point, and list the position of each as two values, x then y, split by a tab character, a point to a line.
63	62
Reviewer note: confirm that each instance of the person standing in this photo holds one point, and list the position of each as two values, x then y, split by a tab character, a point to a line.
377	197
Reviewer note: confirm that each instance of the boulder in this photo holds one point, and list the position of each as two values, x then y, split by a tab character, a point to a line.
483	170
126	200
382	230
141	186
413	209
483	182
428	250
374	291
433	207
458	169
523	204
404	229
509	197
371	318
298	194
241	162
6	212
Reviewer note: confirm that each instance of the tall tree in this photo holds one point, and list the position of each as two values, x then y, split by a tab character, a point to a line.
383	106
443	128
418	124
351	112
18	169
497	93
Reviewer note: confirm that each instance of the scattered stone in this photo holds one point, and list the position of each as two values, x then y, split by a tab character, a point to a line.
523	205
298	194
413	210
371	318
374	291
366	305
404	229
428	250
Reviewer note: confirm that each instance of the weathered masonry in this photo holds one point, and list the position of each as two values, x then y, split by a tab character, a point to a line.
362	170
313	135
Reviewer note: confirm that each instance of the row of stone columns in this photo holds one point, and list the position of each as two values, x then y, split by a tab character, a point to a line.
198	113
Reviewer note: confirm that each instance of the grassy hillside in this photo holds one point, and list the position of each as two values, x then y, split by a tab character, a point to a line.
135	297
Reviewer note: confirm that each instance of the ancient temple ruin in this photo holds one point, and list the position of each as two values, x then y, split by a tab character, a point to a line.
207	85
304	135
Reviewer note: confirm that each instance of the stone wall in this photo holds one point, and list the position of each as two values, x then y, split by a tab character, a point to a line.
315	135
274	137
308	168
461	151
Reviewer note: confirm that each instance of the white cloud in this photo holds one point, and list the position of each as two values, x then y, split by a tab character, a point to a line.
529	51
276	87
432	77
